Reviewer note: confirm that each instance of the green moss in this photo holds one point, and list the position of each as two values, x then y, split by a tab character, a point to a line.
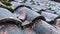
9	8
6	3
3	0
39	12
54	21
51	22
33	2
11	0
49	8
7	0
24	1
